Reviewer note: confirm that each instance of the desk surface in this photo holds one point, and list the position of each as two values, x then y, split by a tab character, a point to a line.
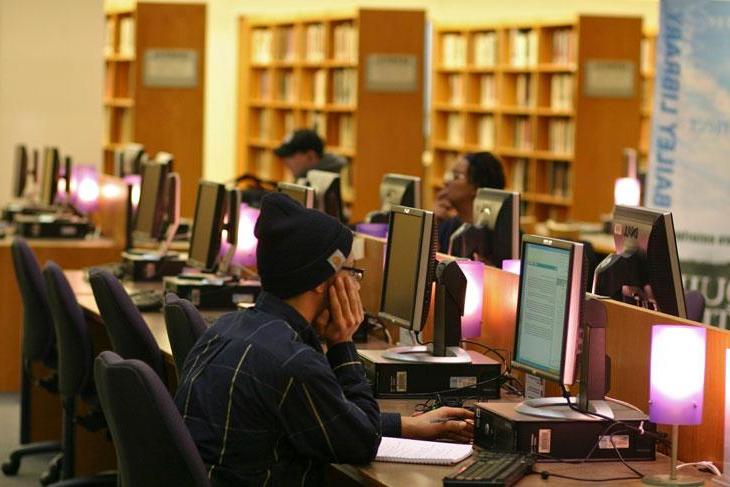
383	473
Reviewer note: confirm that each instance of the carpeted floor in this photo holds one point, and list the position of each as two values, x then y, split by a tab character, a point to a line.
31	466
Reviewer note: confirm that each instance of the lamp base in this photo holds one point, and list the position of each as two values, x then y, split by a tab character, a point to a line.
664	479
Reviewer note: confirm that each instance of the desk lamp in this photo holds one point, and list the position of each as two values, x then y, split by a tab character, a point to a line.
511	265
627	190
84	188
471	321
246	242
676	387
379	230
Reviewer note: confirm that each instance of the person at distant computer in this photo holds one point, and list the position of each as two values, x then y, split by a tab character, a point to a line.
303	150
262	401
471	172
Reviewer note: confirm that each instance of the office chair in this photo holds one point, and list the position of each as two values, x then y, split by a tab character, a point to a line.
39	345
130	336
184	326
695	304
75	372
153	445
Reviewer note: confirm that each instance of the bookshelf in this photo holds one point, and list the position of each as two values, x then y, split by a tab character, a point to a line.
312	72
518	91
163	117
648	57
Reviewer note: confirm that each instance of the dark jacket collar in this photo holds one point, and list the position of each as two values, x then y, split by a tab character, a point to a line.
276	306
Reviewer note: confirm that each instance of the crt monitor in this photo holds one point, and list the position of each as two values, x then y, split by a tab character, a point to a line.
304	195
50	169
205	241
495	234
150	214
128	159
400	190
20	174
549	313
644	270
327	192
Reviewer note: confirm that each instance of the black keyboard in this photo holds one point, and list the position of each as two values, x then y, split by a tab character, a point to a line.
147	300
491	468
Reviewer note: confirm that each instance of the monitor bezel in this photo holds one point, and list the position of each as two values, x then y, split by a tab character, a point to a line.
50	173
425	260
334	183
308	191
574	301
403	180
21	170
213	250
155	232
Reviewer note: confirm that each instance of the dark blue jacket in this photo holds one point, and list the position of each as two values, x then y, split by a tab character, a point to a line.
265	406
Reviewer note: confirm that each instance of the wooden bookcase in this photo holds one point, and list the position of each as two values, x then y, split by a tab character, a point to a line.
163	118
521	95
311	72
648	57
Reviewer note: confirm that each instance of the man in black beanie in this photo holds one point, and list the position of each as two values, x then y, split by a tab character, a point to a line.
263	403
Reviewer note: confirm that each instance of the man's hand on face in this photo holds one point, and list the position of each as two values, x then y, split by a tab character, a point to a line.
345	313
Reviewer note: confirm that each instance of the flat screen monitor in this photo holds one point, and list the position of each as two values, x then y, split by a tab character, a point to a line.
645	269
128	160
50	171
149	218
304	195
207	226
327	192
549	303
409	268
400	190
495	234
20	174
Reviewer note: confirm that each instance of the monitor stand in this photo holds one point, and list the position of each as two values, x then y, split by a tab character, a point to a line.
557	408
424	354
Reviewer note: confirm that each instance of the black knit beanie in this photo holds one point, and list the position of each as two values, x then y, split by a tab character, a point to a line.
298	248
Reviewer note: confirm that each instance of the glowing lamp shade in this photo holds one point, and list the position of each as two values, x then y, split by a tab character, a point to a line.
471	322
677	380
134	182
379	230
84	187
511	265
627	191
245	254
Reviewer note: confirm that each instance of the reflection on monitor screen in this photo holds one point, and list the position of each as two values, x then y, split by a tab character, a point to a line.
207	226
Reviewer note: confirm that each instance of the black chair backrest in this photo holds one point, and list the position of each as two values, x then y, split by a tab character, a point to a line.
39	341
153	445
130	336
695	304
75	352
184	326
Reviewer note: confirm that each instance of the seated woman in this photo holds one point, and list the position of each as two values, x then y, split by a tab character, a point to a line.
471	172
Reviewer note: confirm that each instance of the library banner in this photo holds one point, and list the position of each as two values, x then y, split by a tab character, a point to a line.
689	170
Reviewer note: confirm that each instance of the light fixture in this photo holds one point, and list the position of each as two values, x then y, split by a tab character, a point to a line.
676	387
471	321
84	187
379	230
512	265
134	183
245	254
627	192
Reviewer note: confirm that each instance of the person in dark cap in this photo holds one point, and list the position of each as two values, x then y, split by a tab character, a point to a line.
262	401
471	172
303	150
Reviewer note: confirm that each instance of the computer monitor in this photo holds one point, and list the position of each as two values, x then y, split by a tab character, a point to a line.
327	192
128	159
549	317
304	195
20	174
49	175
149	217
645	269
207	226
399	190
234	198
495	234
172	211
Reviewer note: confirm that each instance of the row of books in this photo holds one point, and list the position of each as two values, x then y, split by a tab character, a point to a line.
285	91
344	86
558	178
563	46
284	44
345	42
453	51
109	37
487	90
261	45
456	89
118	130
346	131
561	133
523	91
318	122
262	162
126	37
485	133
264	125
314	42
264	85
319	87
519	173
523	47
485	49
561	91
455	129
523	137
